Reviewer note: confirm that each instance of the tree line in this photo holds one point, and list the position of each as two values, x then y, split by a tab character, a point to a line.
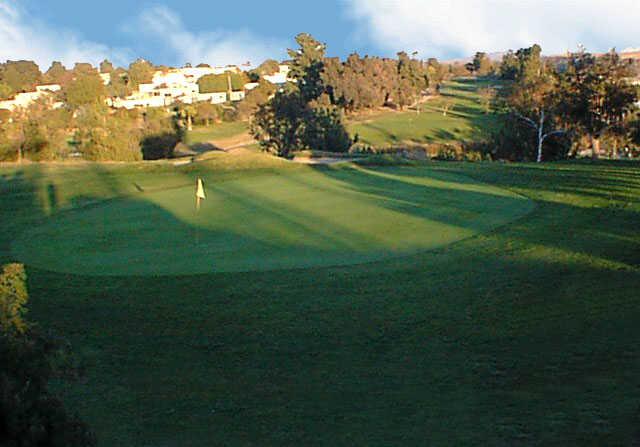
552	108
309	113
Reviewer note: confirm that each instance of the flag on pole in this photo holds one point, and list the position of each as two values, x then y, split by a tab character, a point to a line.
200	195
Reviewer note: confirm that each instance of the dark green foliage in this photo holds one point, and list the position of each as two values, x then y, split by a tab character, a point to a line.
515	141
30	416
326	132
597	97
307	66
481	64
301	116
160	134
509	67
367	83
279	124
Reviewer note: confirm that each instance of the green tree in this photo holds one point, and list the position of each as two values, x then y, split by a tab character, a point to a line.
255	98
412	80
481	64
279	124
307	66
597	97
13	299
85	89
509	67
301	116
140	72
5	91
20	75
106	66
207	112
119	84
57	74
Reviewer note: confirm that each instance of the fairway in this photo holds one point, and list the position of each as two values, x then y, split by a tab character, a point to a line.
465	120
523	335
289	219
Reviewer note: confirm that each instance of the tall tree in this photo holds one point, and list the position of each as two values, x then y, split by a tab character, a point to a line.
533	98
85	89
301	115
598	98
307	66
480	65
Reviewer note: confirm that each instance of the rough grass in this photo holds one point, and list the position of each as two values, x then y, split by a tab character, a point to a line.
526	335
466	120
217	131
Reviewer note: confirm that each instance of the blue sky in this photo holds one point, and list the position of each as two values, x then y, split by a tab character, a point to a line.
173	32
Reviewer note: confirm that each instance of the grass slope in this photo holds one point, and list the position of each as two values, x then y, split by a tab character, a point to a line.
465	120
215	132
526	335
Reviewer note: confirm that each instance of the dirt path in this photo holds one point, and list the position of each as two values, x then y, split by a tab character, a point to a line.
321	160
235	142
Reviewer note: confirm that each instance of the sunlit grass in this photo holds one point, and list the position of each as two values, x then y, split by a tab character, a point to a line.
526	334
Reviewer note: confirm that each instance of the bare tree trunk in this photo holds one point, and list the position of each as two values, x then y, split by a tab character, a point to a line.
595	147
540	138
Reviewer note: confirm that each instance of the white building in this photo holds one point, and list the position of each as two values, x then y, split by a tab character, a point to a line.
281	77
177	85
24	100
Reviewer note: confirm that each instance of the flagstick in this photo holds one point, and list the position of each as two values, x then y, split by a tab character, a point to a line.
197	212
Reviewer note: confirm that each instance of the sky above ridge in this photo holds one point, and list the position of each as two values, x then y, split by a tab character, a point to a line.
173	32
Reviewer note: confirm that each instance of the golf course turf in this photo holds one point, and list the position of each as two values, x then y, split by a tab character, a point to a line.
291	219
525	334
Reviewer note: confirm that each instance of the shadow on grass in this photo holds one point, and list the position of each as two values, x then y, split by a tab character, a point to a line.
522	337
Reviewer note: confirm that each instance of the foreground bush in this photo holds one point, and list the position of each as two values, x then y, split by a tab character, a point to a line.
29	414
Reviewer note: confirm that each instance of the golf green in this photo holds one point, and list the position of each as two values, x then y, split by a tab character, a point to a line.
265	221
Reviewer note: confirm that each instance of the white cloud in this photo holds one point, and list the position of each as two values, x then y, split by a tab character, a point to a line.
445	28
24	37
220	47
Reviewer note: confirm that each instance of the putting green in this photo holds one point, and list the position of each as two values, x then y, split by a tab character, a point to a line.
289	219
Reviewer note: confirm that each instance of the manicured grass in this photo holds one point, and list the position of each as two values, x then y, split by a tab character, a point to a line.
297	218
523	335
465	120
217	131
